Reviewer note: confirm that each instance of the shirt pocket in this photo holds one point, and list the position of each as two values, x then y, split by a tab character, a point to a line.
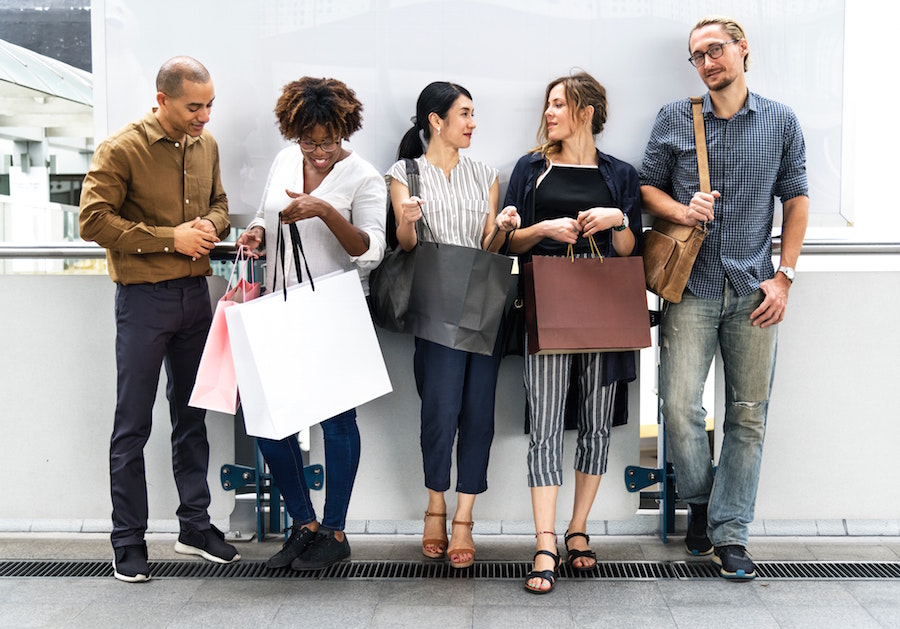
197	190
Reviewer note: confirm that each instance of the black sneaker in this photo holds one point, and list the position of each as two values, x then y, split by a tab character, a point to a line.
322	552
734	563
209	543
696	541
130	563
299	540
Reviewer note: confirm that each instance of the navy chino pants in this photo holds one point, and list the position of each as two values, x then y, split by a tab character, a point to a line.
163	323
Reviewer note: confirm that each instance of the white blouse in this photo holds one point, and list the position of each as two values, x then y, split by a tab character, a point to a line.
353	187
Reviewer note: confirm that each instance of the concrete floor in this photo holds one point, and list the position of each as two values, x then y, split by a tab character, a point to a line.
448	603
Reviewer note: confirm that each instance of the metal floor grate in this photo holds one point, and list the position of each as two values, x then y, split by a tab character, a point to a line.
497	570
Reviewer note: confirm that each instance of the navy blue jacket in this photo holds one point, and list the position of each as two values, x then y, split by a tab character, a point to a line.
624	186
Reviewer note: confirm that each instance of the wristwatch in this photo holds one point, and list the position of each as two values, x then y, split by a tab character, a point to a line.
624	224
788	272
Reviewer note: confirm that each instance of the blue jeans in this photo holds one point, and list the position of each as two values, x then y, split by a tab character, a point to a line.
285	461
689	334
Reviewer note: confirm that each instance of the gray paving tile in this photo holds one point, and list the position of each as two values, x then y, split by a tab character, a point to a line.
623	617
860	551
76	592
870	593
885	615
700	616
224	615
614	594
512	592
824	617
548	614
422	616
712	593
326	613
305	593
48	614
443	592
775	594
114	615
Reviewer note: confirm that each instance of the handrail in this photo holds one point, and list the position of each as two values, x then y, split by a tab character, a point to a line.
70	250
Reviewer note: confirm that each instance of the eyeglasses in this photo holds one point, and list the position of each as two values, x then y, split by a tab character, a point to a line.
328	146
715	51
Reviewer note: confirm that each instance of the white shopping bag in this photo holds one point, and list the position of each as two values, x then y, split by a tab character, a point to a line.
305	358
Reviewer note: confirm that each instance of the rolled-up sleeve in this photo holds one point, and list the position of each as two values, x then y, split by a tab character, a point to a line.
368	214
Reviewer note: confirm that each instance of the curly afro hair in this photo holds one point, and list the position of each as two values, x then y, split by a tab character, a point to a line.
308	102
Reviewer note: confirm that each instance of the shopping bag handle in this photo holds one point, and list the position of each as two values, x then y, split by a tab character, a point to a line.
595	250
297	248
241	259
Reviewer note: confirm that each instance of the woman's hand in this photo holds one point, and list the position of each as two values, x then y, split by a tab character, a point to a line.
597	219
302	206
508	219
561	229
251	241
411	209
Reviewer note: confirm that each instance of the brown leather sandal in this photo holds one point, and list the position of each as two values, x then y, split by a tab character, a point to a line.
461	551
437	542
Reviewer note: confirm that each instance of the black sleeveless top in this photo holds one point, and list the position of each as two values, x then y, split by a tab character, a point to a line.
564	191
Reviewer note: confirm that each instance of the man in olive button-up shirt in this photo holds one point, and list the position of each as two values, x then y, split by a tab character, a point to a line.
154	199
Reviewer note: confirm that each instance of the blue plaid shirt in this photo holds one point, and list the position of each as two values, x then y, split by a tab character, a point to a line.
753	157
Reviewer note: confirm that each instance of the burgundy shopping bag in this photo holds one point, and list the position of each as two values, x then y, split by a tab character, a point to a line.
585	305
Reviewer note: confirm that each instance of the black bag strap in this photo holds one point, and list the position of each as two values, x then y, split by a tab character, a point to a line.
297	250
414	184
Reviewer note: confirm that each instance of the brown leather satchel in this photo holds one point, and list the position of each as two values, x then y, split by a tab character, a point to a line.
671	248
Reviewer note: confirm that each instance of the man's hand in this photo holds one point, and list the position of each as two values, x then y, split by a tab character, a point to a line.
773	307
193	238
700	209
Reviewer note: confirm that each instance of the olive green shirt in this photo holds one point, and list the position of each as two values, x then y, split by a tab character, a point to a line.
140	186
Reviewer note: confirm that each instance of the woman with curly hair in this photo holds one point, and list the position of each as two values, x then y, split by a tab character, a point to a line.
337	200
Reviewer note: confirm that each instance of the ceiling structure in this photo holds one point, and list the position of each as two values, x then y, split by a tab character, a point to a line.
38	92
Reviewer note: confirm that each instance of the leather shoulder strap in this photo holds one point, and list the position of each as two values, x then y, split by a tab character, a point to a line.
700	138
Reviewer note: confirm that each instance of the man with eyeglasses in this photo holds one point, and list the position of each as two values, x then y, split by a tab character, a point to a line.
154	199
735	298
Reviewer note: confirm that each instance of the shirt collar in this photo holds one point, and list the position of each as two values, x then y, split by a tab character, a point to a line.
155	132
750	104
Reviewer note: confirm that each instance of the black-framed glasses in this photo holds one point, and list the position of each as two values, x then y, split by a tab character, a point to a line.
328	146
714	52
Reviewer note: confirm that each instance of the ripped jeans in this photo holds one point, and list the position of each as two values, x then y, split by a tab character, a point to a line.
689	334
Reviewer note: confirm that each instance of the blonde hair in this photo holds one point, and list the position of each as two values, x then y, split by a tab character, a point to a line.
729	25
582	91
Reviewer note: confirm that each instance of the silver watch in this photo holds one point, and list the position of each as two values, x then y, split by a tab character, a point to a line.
788	272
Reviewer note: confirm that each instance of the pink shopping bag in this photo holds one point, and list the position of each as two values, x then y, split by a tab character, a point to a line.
215	387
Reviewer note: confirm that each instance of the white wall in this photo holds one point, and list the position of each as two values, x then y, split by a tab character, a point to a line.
503	51
387	51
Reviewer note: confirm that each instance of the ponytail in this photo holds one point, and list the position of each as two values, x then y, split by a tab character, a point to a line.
411	145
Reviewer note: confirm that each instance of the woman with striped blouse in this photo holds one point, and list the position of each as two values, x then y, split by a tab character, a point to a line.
459	199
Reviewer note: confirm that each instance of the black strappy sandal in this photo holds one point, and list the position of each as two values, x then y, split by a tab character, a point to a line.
571	555
546	575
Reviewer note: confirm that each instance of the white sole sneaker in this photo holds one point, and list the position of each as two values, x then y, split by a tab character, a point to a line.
184	549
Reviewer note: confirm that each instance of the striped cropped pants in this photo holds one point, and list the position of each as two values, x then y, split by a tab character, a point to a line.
546	384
